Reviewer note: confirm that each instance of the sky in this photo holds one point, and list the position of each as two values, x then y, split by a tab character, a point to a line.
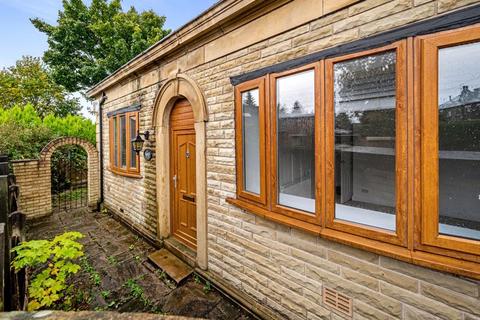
19	37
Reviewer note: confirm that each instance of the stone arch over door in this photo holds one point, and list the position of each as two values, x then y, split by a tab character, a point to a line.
173	89
93	181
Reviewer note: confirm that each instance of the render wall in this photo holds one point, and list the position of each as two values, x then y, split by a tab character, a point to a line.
278	266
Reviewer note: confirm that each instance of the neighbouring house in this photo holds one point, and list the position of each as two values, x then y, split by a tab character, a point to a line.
316	159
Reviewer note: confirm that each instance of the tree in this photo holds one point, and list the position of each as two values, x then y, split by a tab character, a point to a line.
29	82
91	42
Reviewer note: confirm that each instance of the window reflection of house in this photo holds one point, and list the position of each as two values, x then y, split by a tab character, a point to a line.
296	153
459	144
365	139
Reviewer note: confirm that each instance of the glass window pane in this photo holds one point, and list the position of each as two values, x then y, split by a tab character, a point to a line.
296	140
459	140
123	142
365	140
251	143
115	142
133	134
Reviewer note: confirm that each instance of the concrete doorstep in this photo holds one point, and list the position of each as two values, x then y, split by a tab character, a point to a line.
170	264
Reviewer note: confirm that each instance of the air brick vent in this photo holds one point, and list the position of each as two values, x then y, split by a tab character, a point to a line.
337	301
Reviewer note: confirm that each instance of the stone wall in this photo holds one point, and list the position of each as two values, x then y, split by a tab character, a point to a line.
34	178
280	267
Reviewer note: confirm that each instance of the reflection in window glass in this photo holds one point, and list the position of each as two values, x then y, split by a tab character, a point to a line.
115	142
365	140
251	137
459	140
295	140
123	142
133	134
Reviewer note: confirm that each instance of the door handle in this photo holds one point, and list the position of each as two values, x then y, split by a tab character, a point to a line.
189	197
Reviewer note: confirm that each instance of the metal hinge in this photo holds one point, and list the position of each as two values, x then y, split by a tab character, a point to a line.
175	181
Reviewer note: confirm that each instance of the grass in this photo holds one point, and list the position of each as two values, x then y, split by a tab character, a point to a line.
74	194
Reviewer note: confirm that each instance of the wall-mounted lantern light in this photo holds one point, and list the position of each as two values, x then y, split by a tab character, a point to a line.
138	142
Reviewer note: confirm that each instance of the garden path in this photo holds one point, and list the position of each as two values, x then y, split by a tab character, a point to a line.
116	275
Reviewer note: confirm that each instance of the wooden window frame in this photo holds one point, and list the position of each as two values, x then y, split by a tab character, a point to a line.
399	236
428	236
128	170
242	193
315	217
413	241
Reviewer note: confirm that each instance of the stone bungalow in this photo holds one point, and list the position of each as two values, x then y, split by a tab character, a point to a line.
316	159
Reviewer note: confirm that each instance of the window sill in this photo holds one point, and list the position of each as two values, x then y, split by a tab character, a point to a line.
420	258
133	175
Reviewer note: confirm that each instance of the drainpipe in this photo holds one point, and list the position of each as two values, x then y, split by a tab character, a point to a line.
100	145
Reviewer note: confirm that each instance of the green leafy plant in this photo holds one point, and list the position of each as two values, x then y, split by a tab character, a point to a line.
136	291
54	262
112	260
207	287
197	280
94	275
105	294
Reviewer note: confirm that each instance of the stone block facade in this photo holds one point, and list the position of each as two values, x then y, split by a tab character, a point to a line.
278	266
34	178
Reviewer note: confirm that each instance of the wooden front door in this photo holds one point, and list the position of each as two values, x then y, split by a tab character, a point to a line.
182	177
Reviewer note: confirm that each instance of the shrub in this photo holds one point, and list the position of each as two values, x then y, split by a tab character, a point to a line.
53	263
23	133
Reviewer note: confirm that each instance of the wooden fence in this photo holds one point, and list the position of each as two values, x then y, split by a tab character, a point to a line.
12	223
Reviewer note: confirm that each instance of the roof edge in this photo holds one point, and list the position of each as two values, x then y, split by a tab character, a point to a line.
175	39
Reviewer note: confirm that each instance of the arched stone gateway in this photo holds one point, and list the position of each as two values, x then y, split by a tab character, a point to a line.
34	177
93	170
181	87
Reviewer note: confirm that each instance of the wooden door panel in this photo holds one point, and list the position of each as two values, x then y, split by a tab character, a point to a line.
183	171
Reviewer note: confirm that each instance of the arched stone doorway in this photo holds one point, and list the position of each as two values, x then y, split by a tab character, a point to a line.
181	87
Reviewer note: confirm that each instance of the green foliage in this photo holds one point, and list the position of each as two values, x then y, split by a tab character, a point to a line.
23	133
90	42
136	291
112	260
105	294
29	83
207	287
94	275
54	262
197	280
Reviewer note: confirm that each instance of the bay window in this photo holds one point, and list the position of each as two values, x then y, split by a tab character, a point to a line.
379	149
366	143
123	159
293	119
450	144
250	121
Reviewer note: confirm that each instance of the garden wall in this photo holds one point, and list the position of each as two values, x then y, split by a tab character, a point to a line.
34	178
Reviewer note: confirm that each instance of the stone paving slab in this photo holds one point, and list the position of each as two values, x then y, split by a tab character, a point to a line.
120	258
